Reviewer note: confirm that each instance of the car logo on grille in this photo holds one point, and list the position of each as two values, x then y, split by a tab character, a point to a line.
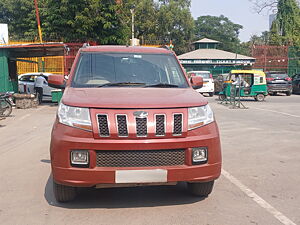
140	114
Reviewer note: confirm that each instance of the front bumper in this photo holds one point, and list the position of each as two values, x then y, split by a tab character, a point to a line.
279	88
206	90
64	139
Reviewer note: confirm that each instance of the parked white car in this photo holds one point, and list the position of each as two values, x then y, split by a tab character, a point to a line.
208	82
26	84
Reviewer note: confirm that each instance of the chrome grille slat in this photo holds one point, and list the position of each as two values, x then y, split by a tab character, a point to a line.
160	126
103	125
140	158
122	126
141	127
177	124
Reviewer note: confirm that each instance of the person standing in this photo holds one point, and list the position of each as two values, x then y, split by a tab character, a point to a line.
38	87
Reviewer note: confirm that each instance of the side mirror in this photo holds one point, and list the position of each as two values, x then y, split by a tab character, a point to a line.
197	82
57	81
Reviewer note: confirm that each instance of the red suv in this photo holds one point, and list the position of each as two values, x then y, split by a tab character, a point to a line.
129	116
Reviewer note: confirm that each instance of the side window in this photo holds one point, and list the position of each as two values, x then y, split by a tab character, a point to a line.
261	79
26	78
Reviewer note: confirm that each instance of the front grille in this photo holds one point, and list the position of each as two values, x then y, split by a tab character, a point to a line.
122	125
154	125
140	158
160	129
177	128
141	127
103	125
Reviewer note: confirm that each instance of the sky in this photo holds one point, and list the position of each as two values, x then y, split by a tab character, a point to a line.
238	11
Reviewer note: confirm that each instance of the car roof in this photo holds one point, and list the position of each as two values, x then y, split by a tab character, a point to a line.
36	73
281	72
127	49
199	71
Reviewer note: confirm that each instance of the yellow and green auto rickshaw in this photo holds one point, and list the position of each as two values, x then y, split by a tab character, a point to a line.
246	83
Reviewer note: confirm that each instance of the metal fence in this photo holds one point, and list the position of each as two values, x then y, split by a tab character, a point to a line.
294	61
51	64
270	58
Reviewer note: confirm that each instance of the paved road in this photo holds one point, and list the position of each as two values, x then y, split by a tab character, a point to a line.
259	185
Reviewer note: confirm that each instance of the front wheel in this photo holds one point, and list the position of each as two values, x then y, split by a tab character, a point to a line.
260	97
64	193
222	97
5	108
201	189
288	93
211	94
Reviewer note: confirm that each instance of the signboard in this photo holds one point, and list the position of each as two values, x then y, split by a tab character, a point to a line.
217	61
3	33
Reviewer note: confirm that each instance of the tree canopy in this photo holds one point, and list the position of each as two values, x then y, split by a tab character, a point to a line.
20	15
109	22
103	21
285	29
287	22
220	29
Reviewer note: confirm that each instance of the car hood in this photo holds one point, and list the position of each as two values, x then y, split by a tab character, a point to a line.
132	97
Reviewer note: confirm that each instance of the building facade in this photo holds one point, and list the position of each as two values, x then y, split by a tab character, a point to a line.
206	57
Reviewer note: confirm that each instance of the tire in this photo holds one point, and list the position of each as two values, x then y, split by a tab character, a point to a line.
288	93
6	108
201	189
222	97
211	94
64	193
260	97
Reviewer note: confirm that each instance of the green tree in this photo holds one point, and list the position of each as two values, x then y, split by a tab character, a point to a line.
176	23
275	38
220	29
20	17
263	39
86	20
288	21
145	25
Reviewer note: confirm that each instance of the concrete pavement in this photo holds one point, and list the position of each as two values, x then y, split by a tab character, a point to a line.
260	155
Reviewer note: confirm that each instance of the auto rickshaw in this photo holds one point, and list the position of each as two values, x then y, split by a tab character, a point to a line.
252	83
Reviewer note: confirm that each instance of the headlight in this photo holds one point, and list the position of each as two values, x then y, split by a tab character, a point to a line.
74	117
200	116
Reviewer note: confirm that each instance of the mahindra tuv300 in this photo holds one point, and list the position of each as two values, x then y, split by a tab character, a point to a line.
129	116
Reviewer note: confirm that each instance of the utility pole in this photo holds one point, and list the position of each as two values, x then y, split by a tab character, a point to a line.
38	20
39	30
132	25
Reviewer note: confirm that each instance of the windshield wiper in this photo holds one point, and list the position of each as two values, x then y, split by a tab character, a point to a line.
163	85
121	84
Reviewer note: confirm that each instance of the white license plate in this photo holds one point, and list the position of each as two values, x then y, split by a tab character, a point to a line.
141	176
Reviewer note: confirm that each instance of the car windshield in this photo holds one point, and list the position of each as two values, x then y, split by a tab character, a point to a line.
280	76
128	69
203	75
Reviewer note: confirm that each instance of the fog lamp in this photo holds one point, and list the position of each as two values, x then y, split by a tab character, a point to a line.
79	157
199	155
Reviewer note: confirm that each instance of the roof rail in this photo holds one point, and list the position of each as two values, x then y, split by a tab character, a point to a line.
165	47
85	45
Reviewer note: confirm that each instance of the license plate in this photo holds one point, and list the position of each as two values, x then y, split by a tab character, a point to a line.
141	176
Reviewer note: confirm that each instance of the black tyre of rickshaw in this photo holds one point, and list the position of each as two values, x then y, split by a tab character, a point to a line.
260	97
222	97
6	108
